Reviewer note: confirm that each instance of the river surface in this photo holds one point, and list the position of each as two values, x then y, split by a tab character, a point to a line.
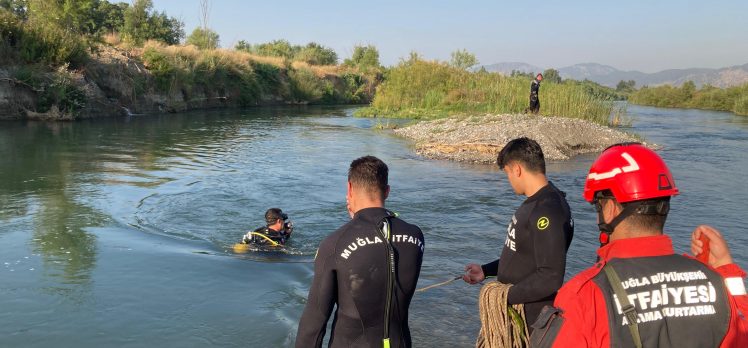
117	232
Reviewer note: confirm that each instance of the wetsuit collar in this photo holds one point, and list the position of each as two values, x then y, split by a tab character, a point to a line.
373	215
637	247
541	192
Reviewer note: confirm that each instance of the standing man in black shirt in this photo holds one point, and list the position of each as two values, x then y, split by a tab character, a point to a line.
368	268
534	255
534	97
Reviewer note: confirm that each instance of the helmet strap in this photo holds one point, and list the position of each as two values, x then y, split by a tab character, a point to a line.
606	229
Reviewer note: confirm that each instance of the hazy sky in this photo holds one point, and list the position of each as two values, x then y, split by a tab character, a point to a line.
648	35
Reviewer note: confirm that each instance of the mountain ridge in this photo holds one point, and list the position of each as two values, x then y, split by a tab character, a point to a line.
610	76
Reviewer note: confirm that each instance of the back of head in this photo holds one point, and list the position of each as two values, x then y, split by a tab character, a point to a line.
370	174
274	214
524	151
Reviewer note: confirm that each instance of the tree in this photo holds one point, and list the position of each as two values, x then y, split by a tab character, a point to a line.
316	54
135	26
168	30
364	57
462	59
551	75
626	86
110	17
689	88
203	38
141	24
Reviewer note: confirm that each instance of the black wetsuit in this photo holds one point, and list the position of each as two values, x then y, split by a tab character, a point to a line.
280	237
351	271
534	98
534	254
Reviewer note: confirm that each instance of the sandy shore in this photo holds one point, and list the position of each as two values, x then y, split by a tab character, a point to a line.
479	138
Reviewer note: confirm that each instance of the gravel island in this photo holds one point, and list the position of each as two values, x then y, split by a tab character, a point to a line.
478	139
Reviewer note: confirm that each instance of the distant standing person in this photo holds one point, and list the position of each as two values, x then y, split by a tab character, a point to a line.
368	268
533	258
534	99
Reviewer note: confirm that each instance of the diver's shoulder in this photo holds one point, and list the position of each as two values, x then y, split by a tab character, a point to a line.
412	228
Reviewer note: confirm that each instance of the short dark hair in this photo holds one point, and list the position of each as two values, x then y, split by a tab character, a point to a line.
525	151
370	173
273	215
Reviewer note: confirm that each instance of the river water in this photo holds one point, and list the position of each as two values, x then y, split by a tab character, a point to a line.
117	232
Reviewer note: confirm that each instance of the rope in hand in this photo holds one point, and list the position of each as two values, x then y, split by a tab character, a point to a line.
438	284
444	283
501	325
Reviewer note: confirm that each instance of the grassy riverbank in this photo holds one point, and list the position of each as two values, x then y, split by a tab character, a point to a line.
99	59
429	89
733	99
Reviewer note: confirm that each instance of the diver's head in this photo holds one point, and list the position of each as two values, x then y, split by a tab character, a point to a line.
367	183
275	218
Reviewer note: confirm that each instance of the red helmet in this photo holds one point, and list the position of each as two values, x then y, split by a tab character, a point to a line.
632	172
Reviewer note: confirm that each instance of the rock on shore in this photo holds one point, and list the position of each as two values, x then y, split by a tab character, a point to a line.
480	138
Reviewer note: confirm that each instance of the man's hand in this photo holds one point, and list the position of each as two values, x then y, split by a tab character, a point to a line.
473	274
719	253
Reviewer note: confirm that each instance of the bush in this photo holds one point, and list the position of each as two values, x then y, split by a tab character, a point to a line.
687	96
316	54
51	44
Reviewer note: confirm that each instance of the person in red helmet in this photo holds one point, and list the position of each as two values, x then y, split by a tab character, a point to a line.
639	293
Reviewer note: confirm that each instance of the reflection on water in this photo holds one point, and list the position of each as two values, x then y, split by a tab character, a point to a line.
121	230
59	235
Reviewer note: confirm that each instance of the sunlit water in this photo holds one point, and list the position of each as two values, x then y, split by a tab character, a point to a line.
118	232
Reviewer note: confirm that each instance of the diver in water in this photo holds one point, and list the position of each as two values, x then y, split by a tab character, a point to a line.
277	231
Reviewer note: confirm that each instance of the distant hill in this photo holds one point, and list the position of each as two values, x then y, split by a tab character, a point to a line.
609	76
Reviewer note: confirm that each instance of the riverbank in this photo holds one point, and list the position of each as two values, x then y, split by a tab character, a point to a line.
479	138
159	79
732	99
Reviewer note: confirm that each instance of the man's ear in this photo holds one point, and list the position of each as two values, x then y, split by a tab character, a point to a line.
517	169
386	193
611	209
349	192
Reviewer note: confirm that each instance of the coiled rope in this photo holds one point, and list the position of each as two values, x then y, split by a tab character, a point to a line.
501	325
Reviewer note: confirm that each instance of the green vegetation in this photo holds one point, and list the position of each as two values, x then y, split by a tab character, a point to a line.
430	89
53	48
626	87
195	73
462	59
204	39
734	99
141	24
364	57
313	53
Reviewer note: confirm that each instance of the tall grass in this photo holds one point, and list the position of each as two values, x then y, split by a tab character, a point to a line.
253	79
734	99
429	89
